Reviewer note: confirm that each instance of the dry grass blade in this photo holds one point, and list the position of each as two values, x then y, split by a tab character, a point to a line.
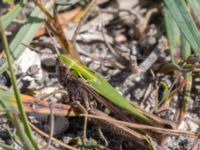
145	127
54	26
40	107
105	122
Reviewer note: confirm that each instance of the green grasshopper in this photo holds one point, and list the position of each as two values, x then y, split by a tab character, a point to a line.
101	86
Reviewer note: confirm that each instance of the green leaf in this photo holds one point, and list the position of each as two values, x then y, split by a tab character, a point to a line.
7	105
6	98
8	18
184	20
186	49
101	86
173	34
6	147
196	7
25	35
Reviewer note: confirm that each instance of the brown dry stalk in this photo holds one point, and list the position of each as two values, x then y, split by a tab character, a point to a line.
147	17
85	121
144	127
54	26
119	129
34	105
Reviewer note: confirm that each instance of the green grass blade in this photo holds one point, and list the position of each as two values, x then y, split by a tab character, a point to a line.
8	18
196	7
6	97
6	147
173	34
179	11
186	49
23	116
7	106
185	53
25	35
101	86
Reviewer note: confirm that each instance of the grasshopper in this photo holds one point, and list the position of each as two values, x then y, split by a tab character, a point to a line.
99	84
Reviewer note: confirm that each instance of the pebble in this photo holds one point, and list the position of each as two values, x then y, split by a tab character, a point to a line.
49	63
26	62
61	124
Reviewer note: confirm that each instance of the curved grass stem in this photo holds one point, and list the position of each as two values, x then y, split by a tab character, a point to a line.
22	114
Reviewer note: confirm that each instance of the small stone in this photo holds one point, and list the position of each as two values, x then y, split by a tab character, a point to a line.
120	38
3	80
49	62
33	70
61	124
46	51
27	61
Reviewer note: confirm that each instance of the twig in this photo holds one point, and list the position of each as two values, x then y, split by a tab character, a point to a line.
145	127
116	128
146	20
102	136
56	29
85	121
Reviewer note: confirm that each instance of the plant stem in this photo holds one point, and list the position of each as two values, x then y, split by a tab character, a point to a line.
23	116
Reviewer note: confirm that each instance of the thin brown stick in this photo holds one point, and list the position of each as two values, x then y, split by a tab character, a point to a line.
102	136
119	129
56	29
145	127
45	11
85	121
146	20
